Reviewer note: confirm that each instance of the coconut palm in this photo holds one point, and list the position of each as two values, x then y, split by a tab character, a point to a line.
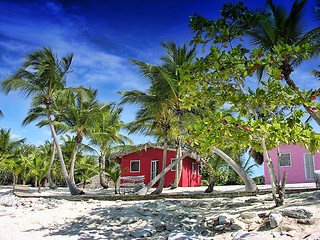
153	114
106	136
39	163
42	75
164	84
7	145
85	168
77	115
114	172
286	28
13	164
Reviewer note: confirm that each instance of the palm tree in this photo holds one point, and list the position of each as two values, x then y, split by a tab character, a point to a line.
7	145
39	164
106	136
85	168
42	75
77	115
153	114
114	172
283	28
165	91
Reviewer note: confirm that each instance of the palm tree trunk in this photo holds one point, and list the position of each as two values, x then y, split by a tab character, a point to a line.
164	162
52	185
73	160
39	186
72	187
177	175
250	185
212	179
146	188
102	165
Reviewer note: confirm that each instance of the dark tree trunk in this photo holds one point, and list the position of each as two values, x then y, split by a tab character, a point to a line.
212	179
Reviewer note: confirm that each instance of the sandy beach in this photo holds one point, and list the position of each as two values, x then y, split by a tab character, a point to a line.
251	217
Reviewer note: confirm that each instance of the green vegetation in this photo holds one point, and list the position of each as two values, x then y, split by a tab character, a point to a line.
204	104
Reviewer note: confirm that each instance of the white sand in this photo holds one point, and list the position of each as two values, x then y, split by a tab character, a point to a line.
39	218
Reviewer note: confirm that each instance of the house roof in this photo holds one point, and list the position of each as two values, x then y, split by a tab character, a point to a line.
116	156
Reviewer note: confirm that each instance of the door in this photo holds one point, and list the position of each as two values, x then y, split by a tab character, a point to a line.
154	169
309	166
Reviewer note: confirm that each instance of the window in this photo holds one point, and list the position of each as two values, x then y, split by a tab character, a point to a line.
174	167
309	166
285	160
135	166
200	169
194	168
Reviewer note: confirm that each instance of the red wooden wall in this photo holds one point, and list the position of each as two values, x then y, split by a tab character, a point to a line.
188	179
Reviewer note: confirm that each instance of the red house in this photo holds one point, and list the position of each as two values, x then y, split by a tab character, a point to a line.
146	160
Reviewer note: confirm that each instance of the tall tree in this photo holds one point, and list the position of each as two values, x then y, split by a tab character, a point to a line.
287	28
42	75
7	144
107	137
77	115
153	114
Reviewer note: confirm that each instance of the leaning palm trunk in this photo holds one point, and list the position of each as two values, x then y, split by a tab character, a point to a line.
164	163
146	188
52	185
102	165
250	185
72	187
73	160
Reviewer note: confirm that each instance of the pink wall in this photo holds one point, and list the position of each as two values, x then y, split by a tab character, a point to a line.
146	156
295	172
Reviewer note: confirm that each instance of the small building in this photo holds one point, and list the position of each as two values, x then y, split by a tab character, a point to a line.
297	161
146	160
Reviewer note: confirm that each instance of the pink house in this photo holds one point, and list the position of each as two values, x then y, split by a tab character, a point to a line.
297	161
148	163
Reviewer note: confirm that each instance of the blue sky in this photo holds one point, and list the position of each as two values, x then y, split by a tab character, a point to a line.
103	35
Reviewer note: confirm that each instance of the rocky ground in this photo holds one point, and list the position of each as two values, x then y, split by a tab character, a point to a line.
210	218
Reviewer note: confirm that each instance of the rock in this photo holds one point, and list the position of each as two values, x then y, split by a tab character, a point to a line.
171	226
252	200
300	213
307	221
189	204
275	219
151	205
220	228
140	233
251	216
146	231
224	219
160	226
190	235
237	225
